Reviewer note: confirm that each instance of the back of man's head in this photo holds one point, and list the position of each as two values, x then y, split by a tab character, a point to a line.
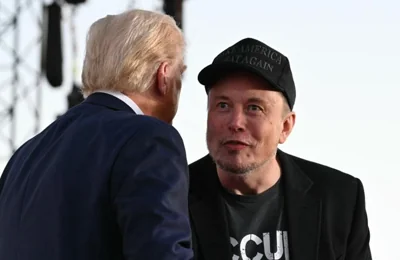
123	52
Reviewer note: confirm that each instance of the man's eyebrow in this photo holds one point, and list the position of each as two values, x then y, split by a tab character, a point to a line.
267	103
222	97
249	100
255	100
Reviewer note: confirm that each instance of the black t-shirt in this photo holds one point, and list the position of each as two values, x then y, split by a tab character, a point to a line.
257	226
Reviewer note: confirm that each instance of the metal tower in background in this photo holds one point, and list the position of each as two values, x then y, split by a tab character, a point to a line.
20	92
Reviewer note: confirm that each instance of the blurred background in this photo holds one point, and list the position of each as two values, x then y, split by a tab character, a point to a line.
344	56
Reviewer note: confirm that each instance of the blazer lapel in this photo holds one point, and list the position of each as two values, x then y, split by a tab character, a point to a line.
208	214
303	211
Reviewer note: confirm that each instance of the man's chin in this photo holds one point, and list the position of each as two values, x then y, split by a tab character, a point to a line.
235	168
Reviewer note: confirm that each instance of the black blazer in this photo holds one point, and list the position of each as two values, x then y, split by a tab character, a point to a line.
327	218
99	183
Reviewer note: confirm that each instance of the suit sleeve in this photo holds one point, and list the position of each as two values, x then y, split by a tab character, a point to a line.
358	244
3	179
150	195
4	175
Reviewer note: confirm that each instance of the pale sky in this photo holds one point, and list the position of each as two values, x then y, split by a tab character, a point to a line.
345	61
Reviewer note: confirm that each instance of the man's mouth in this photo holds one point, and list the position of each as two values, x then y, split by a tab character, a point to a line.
235	142
235	145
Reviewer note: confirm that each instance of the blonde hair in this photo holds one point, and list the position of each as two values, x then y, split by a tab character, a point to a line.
123	52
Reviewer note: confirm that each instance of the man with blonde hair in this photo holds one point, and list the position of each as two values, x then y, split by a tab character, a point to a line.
108	179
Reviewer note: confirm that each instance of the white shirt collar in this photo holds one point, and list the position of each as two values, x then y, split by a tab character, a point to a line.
124	99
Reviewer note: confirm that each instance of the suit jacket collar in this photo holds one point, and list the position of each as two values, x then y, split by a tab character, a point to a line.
109	101
209	219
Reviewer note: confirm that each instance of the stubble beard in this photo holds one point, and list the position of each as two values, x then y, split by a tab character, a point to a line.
236	169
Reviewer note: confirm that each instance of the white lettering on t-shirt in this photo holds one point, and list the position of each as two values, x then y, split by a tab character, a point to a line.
282	246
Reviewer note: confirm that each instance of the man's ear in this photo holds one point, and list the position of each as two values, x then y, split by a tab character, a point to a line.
162	76
288	124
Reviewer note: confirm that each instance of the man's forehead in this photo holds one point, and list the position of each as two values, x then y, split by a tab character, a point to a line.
244	91
256	95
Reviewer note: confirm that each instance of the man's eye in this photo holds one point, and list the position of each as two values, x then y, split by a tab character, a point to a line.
254	108
222	105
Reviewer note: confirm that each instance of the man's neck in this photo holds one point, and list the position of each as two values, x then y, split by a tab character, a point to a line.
149	105
254	182
144	102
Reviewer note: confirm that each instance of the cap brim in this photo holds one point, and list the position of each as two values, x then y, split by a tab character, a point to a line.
214	72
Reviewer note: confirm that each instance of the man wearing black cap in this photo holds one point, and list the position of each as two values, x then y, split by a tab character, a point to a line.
249	199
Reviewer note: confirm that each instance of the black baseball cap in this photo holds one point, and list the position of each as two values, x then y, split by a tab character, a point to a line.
255	57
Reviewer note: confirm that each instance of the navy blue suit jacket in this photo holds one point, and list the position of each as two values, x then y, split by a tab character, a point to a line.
99	183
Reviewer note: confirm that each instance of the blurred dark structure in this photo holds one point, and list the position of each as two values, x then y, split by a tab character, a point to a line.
75	97
174	8
75	2
52	53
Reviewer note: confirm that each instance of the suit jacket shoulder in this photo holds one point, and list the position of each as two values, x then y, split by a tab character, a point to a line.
327	182
319	171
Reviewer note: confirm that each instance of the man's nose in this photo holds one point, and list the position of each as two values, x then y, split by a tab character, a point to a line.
237	121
